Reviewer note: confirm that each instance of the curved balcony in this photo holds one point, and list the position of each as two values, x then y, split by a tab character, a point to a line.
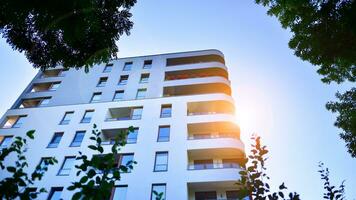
196	89
217	174
212	57
196	66
198	80
195	73
214	143
210	107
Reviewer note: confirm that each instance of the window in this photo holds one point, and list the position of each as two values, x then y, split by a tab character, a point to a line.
232	195
67	117
166	110
55	193
34	102
230	163
132	136
87	116
161	162
136	113
144	78
204	164
127	159
163	133
78	138
119	95
120	192
55	140
108	68
211	195
43	165
147	64
19	122
66	166
54	86
123	79
5	141
102	82
141	93
127	66
96	97
158	189
44	101
13	121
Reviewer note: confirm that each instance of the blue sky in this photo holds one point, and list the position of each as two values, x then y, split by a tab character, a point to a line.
277	95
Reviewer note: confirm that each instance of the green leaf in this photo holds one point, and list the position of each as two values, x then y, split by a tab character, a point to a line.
93	147
71	188
30	134
84	179
11	169
77	196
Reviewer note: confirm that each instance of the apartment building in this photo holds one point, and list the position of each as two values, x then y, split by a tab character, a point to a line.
186	142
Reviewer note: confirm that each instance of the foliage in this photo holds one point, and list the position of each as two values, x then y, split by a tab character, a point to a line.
331	192
324	33
254	179
18	184
100	172
346	107
71	33
158	196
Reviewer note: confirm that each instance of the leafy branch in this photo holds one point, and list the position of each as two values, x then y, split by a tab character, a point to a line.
101	171
18	183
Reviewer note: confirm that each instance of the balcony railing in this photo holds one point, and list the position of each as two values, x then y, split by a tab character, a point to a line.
213	166
212	136
134	117
205	113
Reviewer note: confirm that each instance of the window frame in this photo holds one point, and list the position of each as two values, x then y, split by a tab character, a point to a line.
102	81
4	137
53	190
64	116
118	92
124	79
95	94
127	66
155	163
83	120
135	117
163	106
108	66
75	135
139	91
136	129
63	163
53	137
144	78
147	63
158	135
159	184
114	189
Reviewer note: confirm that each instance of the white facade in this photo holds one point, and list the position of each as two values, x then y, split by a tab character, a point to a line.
203	145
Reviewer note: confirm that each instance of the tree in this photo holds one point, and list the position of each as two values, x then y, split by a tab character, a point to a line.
253	182
346	107
254	178
101	171
20	184
331	192
324	33
71	33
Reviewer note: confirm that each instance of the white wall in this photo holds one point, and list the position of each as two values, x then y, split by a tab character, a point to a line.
74	94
